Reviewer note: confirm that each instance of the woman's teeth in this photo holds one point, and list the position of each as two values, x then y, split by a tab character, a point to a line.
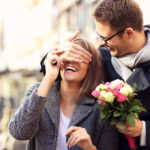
71	69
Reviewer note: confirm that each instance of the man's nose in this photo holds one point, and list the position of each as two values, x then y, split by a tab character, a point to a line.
102	43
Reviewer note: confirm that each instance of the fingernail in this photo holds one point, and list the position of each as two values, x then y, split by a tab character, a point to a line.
62	63
87	62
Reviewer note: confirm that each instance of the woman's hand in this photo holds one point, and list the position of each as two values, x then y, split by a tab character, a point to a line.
52	70
80	137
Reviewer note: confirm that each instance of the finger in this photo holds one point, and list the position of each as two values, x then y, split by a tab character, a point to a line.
71	48
83	55
74	136
72	129
82	51
61	65
73	140
129	133
53	58
78	131
78	139
72	37
73	58
121	131
58	62
53	49
127	124
58	51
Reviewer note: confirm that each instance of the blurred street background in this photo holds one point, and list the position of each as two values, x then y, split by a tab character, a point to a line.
28	30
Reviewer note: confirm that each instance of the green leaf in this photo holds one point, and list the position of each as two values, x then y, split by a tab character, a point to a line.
134	87
137	102
124	116
117	113
103	114
122	126
114	121
135	115
131	119
143	109
134	108
108	116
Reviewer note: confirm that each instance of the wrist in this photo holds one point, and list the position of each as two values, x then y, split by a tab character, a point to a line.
91	147
45	85
48	78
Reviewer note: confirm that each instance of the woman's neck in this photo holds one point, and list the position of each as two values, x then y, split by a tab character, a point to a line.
68	92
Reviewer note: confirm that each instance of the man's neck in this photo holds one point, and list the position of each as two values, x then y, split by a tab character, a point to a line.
138	42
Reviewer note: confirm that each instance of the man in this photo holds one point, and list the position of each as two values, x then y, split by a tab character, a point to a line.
119	24
125	49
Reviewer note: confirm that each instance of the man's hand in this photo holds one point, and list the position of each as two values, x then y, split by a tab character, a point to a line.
69	51
133	131
80	137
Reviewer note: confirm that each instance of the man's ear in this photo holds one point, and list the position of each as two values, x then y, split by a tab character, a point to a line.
129	32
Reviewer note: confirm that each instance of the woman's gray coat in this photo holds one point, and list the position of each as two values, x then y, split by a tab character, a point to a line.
37	120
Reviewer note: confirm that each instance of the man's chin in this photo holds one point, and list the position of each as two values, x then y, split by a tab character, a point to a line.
113	53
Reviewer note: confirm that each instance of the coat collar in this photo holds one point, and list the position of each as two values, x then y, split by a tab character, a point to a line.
82	110
53	104
138	77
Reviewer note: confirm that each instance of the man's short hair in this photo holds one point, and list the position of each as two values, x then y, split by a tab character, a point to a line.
119	14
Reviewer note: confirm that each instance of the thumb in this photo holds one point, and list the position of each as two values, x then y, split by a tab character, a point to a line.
73	36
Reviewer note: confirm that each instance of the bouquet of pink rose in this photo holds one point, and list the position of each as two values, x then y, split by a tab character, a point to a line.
118	104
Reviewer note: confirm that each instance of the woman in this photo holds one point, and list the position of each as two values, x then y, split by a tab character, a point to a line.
61	115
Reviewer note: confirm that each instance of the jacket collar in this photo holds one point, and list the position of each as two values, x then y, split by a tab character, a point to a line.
144	65
82	110
138	77
53	104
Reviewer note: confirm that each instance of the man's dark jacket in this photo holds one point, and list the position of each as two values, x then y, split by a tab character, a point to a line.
141	76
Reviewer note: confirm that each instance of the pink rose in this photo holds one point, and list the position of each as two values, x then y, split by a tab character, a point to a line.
96	94
109	89
102	102
107	83
119	86
102	98
121	97
116	93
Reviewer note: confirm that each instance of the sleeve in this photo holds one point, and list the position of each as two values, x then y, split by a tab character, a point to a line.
25	122
109	138
143	135
147	133
106	58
